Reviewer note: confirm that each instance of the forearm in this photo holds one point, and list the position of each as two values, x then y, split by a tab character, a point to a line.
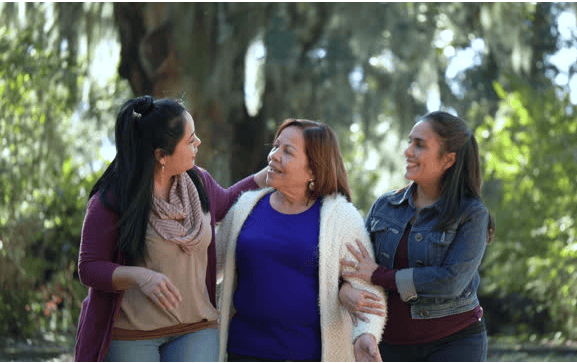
384	277
375	322
125	277
222	199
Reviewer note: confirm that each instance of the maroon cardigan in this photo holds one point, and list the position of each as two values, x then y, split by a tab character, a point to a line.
96	263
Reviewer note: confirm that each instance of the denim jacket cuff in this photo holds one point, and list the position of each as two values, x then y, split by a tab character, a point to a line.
406	285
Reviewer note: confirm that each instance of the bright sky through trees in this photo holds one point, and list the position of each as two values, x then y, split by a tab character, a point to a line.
105	66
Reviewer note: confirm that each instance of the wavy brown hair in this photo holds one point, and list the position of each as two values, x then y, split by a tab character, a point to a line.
324	157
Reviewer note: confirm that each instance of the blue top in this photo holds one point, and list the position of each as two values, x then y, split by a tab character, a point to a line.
276	300
442	277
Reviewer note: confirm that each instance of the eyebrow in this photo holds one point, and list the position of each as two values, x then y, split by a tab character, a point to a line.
416	138
286	144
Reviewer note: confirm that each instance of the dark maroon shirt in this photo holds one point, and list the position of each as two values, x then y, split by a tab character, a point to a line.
401	329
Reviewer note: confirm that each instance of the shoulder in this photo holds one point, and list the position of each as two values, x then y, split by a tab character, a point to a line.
95	203
248	199
392	197
204	175
336	205
336	200
98	213
251	195
474	208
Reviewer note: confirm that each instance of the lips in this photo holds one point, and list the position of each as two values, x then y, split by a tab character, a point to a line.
411	164
272	169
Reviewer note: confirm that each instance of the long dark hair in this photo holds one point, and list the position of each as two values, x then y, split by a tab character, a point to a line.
463	179
324	158
127	185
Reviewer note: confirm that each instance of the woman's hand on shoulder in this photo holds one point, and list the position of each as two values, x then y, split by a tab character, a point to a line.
260	177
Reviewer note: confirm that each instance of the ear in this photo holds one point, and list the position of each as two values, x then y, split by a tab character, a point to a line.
311	174
450	159
159	155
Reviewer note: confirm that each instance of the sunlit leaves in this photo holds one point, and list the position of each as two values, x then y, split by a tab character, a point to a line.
529	147
40	181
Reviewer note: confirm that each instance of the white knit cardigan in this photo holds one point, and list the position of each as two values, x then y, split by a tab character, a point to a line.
340	222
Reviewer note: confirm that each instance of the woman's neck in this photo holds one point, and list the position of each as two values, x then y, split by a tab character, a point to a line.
426	195
162	185
290	203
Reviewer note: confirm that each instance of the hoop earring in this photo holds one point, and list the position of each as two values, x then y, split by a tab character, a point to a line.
312	185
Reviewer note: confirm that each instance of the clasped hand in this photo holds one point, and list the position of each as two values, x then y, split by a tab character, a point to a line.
360	302
158	288
364	266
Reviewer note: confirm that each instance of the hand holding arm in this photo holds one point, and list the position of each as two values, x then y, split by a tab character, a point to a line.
358	302
356	231
365	266
366	349
156	286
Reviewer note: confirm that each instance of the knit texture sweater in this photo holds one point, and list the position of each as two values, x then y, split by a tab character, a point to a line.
340	223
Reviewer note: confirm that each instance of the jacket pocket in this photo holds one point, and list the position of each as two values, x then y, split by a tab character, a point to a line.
384	236
438	244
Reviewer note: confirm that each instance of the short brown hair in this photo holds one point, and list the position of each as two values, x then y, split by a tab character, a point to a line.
324	157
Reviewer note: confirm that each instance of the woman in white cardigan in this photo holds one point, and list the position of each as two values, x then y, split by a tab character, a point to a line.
279	249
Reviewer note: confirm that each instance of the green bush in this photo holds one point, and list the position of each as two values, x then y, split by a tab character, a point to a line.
530	159
44	185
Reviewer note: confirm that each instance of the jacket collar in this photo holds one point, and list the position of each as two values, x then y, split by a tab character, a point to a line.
406	196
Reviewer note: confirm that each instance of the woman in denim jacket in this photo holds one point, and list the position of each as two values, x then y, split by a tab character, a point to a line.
429	239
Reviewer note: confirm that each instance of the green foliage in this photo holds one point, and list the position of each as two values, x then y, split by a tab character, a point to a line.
369	174
43	188
530	154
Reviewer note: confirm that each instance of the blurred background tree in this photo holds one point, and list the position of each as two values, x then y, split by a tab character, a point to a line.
53	115
367	69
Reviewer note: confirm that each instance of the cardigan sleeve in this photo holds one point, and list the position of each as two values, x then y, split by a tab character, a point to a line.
352	228
221	199
97	245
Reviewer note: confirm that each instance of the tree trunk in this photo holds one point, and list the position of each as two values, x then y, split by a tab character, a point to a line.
195	51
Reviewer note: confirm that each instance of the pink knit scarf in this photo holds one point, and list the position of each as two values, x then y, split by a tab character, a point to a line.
180	219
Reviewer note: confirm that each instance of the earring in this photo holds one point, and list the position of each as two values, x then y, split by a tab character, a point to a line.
162	169
312	185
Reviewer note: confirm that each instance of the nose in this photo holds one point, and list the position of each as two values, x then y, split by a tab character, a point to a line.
273	154
197	141
408	150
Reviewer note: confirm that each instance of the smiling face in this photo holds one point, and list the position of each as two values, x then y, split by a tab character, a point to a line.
426	163
184	155
288	164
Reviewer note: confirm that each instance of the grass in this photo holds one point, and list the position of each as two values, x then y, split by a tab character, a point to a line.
512	349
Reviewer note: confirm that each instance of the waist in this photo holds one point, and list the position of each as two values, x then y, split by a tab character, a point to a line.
431	308
403	329
130	334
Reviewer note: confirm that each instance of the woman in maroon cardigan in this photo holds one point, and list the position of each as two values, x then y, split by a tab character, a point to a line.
126	228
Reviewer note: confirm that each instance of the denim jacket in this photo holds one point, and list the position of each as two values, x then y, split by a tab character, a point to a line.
443	277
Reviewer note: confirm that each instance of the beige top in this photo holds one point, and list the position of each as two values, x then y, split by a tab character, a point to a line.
185	267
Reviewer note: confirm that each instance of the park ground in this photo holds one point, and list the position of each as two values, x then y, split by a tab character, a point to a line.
501	349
